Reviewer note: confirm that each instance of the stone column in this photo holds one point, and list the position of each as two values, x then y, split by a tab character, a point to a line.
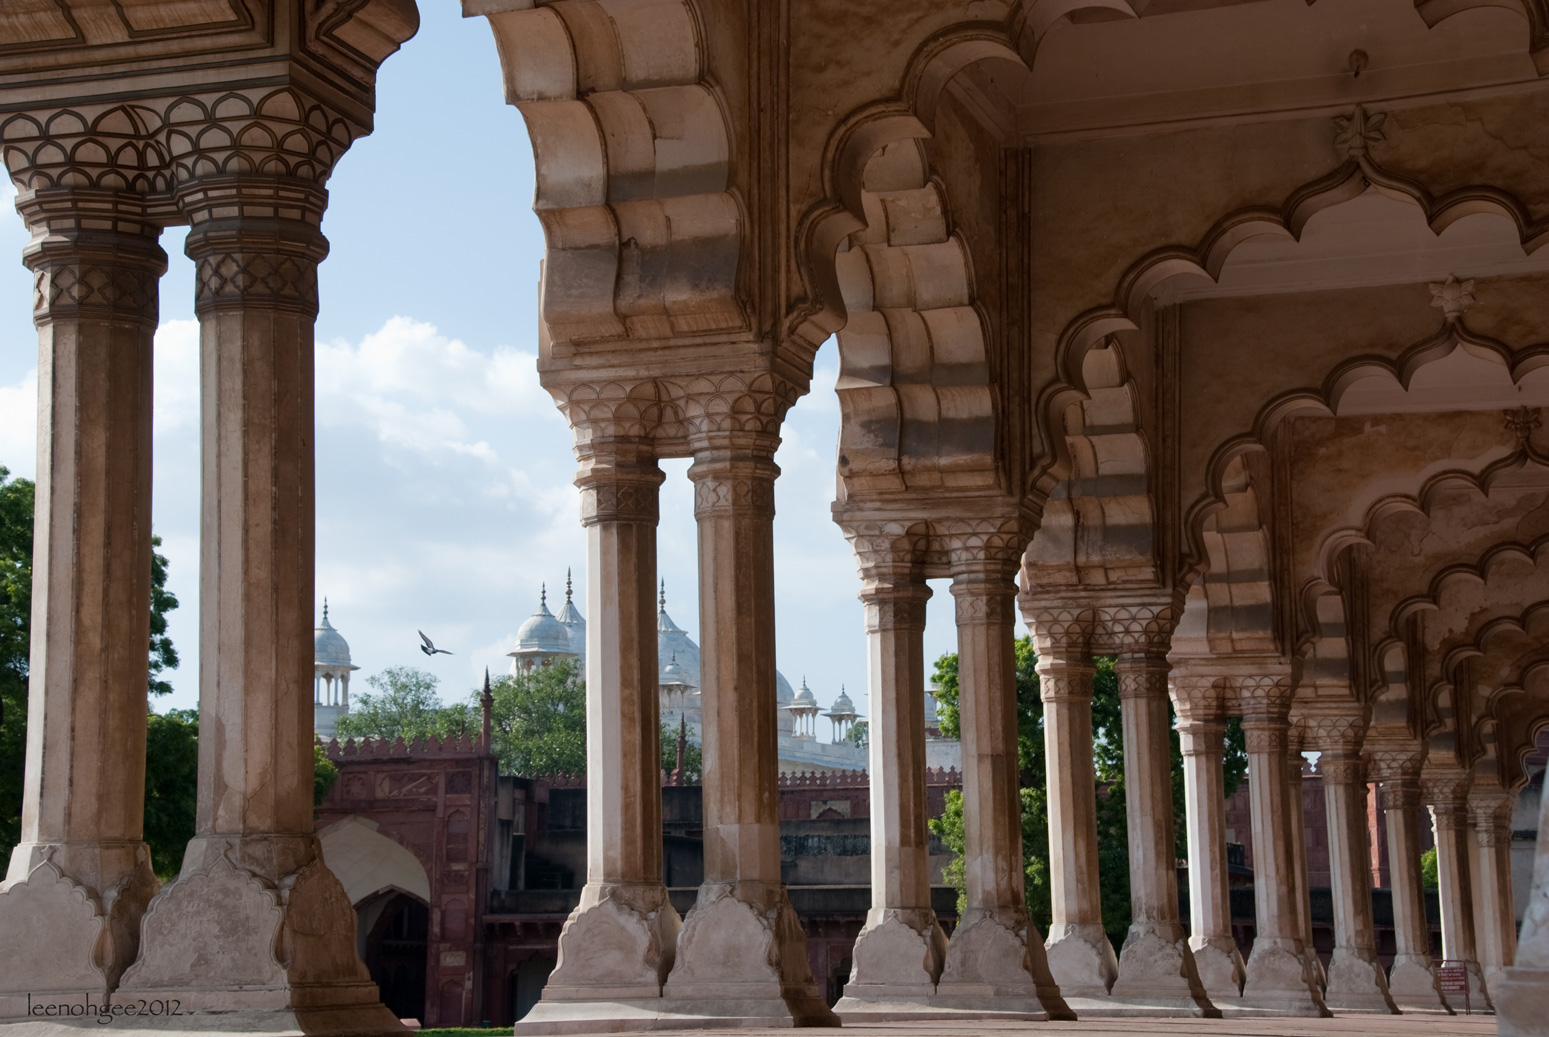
899	953
1521	994
1156	967
1278	979
1412	979
255	922
1445	791
1081	958
81	877
995	958
1296	821
618	943
1356	982
1495	923
1202	727
742	953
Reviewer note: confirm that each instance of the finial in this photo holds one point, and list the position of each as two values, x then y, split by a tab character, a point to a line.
325	606
543	595
661	602
567	584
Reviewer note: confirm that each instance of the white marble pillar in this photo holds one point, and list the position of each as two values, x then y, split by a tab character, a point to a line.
995	959
255	922
1495	923
1202	730
81	873
742	953
618	943
900	951
1521	994
1445	791
1356	982
1081	958
1156	966
1412	979
1278	978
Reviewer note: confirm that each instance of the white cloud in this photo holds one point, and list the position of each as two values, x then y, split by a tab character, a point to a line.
177	378
19	425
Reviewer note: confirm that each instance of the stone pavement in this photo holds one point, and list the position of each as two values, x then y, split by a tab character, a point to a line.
1339	1026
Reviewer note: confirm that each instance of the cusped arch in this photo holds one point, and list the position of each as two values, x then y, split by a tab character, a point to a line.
367	862
633	156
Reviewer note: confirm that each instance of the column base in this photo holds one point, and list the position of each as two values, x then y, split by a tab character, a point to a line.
1278	982
1522	1003
742	955
992	965
1081	960
91	938
1156	968
898	956
255	955
1479	1001
618	944
1356	983
1412	986
1219	966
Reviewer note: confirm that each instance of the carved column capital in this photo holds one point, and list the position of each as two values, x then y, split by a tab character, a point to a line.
1198	697
1142	675
1489	814
1265	698
751	404
1198	737
1264	735
729	483
1445	791
1334	735
1139	628
1390	763
1399	794
1061	632
1065	677
989	548
83	269
619	482
1342	769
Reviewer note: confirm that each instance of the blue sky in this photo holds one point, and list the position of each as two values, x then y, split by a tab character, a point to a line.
444	493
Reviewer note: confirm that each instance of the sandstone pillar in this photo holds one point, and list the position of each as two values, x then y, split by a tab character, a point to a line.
1495	924
1278	979
1202	728
995	959
1445	792
618	944
1521	994
1356	982
80	878
899	953
1412	978
255	922
1296	822
1156	967
742	954
1081	958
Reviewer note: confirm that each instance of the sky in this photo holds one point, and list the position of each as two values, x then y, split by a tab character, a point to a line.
444	495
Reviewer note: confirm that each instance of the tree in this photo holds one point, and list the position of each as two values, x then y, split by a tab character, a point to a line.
539	720
171	786
860	734
1430	877
163	654
16	500
405	706
693	757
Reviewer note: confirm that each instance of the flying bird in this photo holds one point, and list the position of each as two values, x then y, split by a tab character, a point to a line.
429	647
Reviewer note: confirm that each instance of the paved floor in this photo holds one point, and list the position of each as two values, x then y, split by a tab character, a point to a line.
1340	1026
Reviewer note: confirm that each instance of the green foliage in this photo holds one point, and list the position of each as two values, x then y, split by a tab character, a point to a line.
16	497
324	774
405	705
163	654
539	720
860	734
171	781
1429	877
693	757
1236	760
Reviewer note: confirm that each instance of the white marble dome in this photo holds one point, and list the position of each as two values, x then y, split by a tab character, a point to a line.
542	632
329	648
